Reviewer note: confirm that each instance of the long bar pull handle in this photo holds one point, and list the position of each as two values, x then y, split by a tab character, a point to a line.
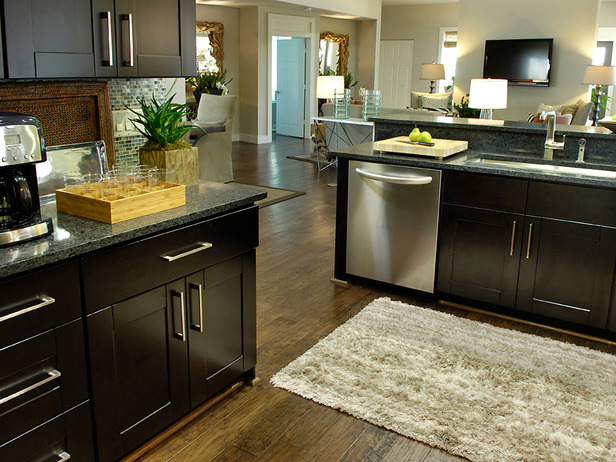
182	333
530	235
199	287
51	375
106	39
515	222
127	40
404	179
63	456
44	302
199	248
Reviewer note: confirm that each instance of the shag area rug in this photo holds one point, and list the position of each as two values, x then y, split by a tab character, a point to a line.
472	389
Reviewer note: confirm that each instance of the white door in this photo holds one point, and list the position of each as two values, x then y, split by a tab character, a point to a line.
290	87
396	72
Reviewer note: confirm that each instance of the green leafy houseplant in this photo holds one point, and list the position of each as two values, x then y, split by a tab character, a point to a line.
464	111
348	81
162	124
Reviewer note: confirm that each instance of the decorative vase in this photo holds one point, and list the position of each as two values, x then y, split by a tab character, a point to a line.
215	92
371	104
197	95
342	100
185	162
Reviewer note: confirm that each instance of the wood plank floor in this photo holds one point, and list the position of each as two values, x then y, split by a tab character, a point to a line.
297	305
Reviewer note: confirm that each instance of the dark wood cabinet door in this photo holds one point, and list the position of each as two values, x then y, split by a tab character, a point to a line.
2	74
215	334
480	254
139	370
48	38
567	270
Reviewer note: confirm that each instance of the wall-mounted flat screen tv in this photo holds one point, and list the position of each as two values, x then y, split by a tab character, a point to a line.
520	61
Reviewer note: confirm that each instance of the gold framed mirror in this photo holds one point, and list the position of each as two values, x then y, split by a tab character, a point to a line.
331	45
215	31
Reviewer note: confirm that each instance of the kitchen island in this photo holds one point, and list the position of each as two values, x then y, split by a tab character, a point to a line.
517	233
111	333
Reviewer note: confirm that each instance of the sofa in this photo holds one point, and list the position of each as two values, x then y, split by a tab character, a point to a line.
566	114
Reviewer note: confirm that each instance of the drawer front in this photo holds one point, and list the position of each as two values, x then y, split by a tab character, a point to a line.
484	191
38	301
67	436
122	272
573	203
41	377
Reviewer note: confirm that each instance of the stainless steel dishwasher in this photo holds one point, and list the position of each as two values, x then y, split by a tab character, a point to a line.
392	225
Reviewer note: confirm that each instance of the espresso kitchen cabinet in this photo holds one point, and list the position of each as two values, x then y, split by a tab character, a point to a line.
144	38
2	73
101	38
538	247
44	402
178	329
48	39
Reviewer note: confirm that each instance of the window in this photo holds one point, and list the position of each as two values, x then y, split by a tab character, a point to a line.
448	56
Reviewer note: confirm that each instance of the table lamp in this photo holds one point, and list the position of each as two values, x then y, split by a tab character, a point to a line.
598	76
488	94
432	72
326	84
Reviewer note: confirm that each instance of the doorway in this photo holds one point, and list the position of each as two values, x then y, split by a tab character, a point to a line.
288	85
396	72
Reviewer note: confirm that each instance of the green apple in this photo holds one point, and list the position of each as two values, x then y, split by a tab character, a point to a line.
424	137
614	117
414	134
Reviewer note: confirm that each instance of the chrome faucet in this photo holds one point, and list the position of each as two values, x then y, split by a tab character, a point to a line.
550	145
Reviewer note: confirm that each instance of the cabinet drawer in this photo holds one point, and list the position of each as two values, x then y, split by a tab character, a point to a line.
573	203
41	377
484	191
68	435
38	301
122	272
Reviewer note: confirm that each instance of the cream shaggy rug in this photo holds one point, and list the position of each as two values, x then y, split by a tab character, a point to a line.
475	390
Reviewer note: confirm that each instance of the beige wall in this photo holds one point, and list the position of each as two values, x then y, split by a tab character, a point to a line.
420	23
230	19
358	8
607	14
572	25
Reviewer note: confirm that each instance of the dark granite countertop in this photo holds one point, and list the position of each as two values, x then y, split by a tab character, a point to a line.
467	161
74	236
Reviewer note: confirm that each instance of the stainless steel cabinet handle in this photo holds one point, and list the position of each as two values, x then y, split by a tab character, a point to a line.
515	222
106	39
199	287
408	180
44	302
51	375
530	235
182	334
202	246
127	40
63	456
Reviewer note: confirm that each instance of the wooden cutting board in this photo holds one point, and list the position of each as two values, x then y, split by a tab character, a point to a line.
402	145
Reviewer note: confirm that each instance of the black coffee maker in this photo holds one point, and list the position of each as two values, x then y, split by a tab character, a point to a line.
21	146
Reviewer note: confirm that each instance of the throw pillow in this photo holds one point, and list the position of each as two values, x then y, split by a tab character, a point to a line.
560	119
433	102
546	108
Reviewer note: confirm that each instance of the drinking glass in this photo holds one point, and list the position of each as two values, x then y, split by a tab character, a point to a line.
72	182
91	185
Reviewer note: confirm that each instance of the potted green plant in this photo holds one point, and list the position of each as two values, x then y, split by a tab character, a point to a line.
464	111
163	126
208	81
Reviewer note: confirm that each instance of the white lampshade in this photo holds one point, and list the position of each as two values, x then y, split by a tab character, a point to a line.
432	71
599	75
326	84
488	94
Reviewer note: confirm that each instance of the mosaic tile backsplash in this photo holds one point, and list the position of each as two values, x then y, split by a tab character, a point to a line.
126	92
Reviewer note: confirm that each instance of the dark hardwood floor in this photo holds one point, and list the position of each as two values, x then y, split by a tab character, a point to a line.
297	305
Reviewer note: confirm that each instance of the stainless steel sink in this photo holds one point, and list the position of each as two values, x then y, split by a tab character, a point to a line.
543	168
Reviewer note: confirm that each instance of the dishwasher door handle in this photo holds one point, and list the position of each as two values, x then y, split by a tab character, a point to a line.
405	179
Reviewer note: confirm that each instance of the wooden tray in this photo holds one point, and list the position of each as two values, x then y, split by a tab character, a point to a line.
402	145
121	209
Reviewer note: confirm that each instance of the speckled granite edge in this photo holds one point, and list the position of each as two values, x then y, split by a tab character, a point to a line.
365	152
75	236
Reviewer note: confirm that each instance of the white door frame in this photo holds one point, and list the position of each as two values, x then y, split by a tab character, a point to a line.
302	27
